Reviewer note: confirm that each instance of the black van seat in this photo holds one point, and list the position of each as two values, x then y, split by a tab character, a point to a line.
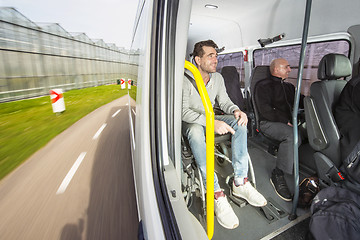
232	84
260	73
323	134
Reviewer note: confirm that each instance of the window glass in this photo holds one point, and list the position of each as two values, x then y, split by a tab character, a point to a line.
314	53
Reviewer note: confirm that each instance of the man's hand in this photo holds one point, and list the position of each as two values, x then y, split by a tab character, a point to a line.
241	117
221	127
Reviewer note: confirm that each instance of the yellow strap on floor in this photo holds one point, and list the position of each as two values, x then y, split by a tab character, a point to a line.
210	117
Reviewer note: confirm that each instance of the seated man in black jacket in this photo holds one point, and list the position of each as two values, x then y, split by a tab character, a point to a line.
275	100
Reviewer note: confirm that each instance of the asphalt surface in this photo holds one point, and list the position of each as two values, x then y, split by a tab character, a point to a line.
79	186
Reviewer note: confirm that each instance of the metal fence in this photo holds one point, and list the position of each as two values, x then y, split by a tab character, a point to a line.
38	57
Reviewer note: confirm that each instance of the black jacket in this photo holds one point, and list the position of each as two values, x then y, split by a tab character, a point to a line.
347	116
275	100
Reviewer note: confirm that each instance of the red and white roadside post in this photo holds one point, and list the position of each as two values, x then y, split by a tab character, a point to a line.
57	100
129	83
122	83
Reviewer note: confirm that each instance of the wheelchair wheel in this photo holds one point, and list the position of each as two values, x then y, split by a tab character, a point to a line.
188	180
221	153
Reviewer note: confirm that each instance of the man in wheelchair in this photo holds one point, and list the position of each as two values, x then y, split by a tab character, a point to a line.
235	121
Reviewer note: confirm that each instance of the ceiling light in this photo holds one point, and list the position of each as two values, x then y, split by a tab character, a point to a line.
211	6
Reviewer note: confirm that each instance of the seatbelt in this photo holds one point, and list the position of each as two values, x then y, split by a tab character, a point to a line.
216	107
192	80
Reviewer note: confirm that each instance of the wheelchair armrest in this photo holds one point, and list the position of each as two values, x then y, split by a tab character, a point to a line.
222	138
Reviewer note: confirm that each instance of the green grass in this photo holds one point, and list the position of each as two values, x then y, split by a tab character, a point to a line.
27	125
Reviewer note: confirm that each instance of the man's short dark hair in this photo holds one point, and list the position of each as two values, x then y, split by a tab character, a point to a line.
198	48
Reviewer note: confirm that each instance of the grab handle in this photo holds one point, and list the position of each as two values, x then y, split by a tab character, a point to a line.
210	118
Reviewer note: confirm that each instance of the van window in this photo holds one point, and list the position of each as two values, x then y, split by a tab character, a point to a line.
233	59
314	53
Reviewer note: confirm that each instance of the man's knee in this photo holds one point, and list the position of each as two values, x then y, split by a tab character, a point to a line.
240	128
195	131
290	136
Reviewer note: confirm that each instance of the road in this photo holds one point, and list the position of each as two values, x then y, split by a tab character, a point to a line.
79	186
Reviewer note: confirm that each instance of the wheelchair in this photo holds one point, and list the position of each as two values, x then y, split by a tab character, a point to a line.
192	182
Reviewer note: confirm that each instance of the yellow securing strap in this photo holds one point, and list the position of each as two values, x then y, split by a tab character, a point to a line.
210	117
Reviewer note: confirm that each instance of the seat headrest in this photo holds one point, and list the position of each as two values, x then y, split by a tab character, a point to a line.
259	73
334	66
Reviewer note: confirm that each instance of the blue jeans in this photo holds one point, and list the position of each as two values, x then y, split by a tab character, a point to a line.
195	133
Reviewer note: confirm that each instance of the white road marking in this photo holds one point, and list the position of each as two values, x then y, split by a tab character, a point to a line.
97	134
116	113
133	111
71	173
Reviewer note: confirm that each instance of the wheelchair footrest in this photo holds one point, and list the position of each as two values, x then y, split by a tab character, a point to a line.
238	201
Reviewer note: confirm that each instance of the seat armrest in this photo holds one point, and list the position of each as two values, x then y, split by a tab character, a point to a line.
316	135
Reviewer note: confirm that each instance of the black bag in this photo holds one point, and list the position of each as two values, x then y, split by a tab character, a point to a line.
335	214
308	188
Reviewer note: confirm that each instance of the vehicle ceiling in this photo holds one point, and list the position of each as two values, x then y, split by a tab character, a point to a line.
240	23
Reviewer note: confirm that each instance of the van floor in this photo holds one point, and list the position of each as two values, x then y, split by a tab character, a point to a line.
253	222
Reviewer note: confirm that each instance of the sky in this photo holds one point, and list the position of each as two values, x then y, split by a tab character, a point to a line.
110	20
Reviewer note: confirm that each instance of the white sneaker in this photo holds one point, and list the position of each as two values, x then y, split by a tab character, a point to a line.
224	213
250	194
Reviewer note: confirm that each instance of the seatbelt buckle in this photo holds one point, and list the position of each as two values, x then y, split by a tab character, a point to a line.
335	175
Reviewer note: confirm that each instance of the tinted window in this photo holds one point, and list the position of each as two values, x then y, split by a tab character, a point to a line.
314	53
